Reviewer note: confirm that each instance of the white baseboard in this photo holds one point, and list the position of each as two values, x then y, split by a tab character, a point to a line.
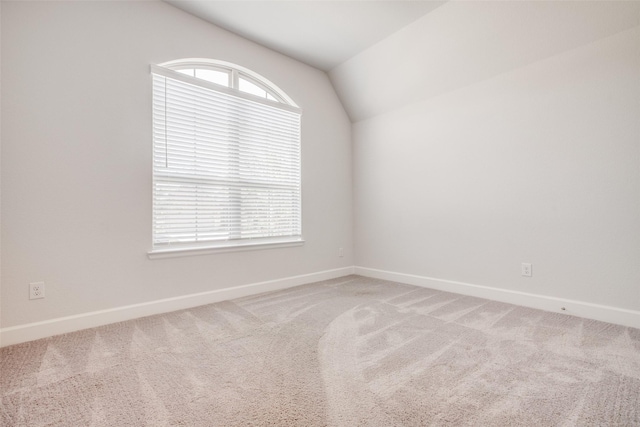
33	331
603	313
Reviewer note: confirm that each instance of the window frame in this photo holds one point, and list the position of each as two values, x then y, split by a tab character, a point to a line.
283	101
236	72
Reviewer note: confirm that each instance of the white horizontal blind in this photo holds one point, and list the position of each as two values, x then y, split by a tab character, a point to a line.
226	169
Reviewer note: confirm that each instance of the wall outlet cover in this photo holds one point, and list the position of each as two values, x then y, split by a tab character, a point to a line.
36	290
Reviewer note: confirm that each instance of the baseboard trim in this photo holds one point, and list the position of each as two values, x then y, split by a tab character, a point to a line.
603	313
33	331
62	325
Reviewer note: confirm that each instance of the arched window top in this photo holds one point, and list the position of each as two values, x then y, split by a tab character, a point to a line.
232	76
226	159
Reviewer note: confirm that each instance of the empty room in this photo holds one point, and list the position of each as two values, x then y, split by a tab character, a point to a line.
320	213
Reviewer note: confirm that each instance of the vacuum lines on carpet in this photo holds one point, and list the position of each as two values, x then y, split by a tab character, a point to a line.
349	352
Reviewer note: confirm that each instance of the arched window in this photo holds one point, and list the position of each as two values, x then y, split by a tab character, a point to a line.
226	159
231	76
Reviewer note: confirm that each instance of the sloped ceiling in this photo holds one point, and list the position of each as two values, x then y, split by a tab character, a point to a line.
461	43
382	55
321	33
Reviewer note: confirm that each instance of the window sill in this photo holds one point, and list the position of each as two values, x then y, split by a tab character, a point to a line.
206	250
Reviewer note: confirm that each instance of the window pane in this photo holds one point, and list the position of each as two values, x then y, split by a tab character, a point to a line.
187	71
213	76
248	87
226	169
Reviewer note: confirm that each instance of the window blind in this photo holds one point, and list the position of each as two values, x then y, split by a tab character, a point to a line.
226	168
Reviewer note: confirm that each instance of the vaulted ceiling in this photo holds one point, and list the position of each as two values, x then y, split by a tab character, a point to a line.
321	33
382	55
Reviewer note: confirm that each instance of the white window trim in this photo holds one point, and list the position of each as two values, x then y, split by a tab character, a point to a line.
231	91
236	72
175	252
285	103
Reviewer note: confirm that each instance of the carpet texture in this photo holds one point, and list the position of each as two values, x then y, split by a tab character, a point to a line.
346	352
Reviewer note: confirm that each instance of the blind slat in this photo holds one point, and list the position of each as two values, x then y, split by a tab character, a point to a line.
225	167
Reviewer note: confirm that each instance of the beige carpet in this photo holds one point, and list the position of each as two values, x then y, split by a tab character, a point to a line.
345	352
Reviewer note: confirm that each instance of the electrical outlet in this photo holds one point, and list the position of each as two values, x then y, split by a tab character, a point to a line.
36	290
526	269
340	252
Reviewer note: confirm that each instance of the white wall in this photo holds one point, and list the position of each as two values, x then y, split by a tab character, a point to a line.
537	164
76	159
465	42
